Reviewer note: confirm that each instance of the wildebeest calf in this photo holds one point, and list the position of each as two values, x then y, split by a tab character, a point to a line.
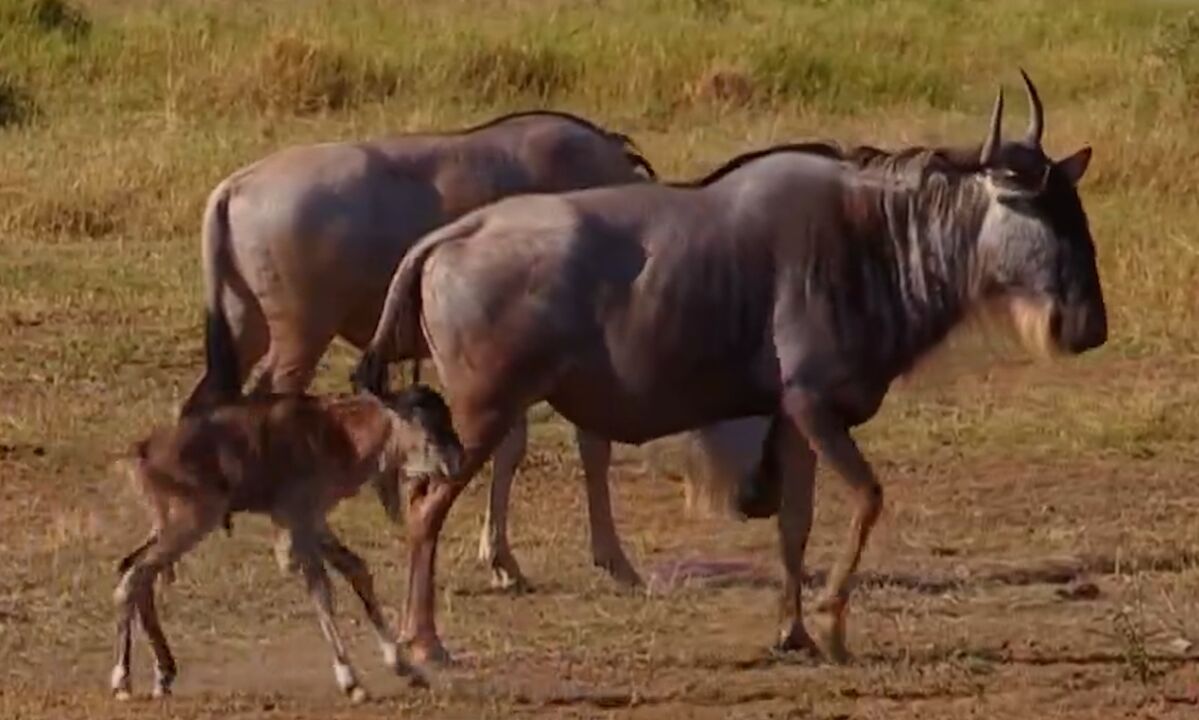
292	458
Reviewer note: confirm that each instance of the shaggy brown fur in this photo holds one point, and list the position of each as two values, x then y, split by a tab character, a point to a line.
292	458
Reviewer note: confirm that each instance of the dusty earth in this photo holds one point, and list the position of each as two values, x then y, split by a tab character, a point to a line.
1031	581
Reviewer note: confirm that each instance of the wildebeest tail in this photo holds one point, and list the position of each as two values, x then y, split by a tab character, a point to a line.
633	153
222	379
398	330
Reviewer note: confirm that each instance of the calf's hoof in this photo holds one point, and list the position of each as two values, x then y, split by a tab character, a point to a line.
122	688
510	581
163	680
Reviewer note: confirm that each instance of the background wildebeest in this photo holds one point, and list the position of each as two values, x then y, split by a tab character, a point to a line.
293	458
299	248
796	282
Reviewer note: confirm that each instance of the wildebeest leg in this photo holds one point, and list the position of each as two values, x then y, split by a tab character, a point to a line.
493	540
354	569
307	553
136	591
830	439
428	505
606	552
293	357
796	464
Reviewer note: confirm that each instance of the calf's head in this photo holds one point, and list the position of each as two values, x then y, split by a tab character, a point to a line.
424	433
1036	256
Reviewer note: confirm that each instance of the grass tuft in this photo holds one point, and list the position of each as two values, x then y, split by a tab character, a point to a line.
291	75
17	106
528	69
46	16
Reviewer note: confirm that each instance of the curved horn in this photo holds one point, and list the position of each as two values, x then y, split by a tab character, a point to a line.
1036	120
994	135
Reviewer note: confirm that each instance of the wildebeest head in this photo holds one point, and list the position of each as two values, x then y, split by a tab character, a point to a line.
1036	254
426	436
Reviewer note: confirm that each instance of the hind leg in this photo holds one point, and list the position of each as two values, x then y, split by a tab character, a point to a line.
480	428
307	552
494	550
297	345
606	552
135	591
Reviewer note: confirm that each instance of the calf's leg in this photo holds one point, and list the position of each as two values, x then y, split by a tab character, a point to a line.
135	591
306	551
830	438
606	551
494	550
354	569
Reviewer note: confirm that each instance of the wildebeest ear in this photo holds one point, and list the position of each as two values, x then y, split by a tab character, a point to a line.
1075	165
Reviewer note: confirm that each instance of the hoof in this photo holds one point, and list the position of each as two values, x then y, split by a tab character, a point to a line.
122	688
513	583
622	573
162	692
429	654
357	695
798	642
831	640
402	668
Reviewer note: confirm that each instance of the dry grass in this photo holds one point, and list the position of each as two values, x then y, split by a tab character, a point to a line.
1005	477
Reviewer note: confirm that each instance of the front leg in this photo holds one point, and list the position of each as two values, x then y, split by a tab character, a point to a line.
795	464
829	436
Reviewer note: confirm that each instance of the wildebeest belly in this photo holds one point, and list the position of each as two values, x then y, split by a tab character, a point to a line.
597	399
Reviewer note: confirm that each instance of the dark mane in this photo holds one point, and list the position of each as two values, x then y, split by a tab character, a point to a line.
518	114
924	159
823	149
632	152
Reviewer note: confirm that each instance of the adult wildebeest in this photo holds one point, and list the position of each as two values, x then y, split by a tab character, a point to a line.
299	248
796	282
293	458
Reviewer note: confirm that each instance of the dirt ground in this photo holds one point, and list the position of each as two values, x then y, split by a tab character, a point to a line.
1026	582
